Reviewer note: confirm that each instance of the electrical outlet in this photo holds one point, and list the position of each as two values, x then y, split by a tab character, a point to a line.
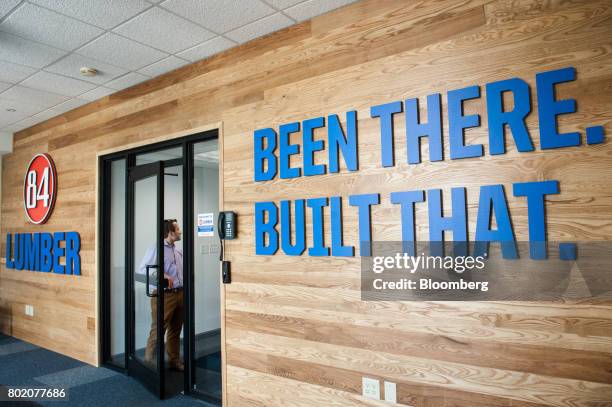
370	388
390	392
29	310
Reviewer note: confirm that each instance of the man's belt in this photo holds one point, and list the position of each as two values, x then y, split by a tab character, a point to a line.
173	290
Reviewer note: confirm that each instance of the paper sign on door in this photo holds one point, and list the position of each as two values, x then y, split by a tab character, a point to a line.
206	224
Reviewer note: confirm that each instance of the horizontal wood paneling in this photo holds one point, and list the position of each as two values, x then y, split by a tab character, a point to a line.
453	376
410	393
297	332
551	361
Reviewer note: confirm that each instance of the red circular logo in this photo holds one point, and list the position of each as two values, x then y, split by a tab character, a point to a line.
40	188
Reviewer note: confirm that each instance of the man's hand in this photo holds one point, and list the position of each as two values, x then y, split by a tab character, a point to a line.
170	283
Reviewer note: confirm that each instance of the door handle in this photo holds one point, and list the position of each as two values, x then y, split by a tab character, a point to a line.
150	266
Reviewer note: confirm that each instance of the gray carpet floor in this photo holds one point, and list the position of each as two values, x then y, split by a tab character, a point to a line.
26	365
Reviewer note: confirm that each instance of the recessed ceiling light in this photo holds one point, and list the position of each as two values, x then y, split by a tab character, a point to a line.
10	109
87	71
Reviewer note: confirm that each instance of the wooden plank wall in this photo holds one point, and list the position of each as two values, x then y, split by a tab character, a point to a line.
296	330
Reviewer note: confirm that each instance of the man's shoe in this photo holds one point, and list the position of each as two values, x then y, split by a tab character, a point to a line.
177	366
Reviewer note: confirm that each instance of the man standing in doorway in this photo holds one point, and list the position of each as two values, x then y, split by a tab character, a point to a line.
173	297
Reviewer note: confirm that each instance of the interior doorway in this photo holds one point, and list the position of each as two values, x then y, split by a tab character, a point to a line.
159	271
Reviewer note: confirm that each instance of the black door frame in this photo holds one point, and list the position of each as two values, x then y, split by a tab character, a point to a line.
103	247
154	380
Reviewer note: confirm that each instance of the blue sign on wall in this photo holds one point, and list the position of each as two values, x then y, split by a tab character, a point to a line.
56	252
44	252
273	151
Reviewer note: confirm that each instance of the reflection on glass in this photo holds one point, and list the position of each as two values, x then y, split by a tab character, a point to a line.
117	262
206	272
161	155
145	234
173	196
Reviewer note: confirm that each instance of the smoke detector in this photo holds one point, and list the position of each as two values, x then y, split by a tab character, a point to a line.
87	71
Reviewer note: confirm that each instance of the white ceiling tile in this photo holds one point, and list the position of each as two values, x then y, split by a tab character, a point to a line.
13	73
8	118
47	27
46	115
71	65
206	49
20	125
6	6
122	52
21	109
261	27
24	52
163	66
67	23
311	8
10	129
4	86
61	85
8	122
69	105
126	81
97	93
36	98
283	4
163	30
219	16
106	14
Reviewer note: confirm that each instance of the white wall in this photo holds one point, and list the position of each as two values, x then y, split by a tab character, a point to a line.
207	273
6	143
6	146
1	186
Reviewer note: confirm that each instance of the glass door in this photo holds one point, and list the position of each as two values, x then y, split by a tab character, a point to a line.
143	191
146	276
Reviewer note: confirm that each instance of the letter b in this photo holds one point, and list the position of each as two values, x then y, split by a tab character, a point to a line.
263	155
263	228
